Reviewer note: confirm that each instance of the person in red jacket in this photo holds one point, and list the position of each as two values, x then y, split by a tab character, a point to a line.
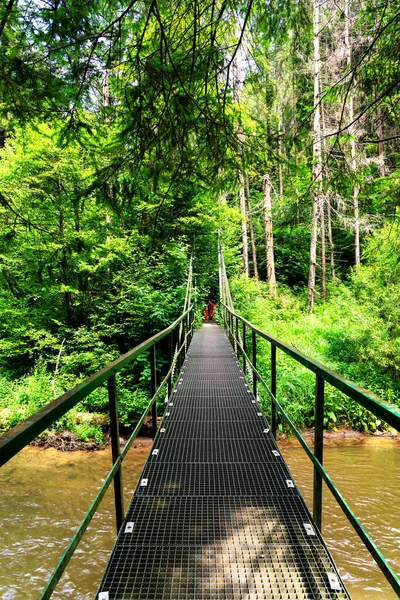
211	306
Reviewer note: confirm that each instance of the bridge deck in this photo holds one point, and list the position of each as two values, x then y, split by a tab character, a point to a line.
214	515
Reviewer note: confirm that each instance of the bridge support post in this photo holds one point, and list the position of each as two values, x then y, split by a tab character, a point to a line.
153	368
273	390
184	332
171	357
318	449
237	337
188	329
244	348
181	335
254	360
115	448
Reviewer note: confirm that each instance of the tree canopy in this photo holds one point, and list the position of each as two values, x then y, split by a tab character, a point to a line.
131	133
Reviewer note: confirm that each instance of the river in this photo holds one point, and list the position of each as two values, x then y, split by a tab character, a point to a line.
45	493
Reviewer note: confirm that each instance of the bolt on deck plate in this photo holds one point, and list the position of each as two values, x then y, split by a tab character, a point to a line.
309	529
334	581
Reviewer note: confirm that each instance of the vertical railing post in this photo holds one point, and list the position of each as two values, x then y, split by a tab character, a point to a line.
181	333
177	346
185	330
181	337
183	342
254	359
318	449
189	330
244	347
273	389
115	449
153	368
237	337
171	356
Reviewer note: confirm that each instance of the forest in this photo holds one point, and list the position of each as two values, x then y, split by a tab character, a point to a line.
134	134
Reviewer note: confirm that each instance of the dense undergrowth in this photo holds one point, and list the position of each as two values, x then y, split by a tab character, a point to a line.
355	333
41	357
87	422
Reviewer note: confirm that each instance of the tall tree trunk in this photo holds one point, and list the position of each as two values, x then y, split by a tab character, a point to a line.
317	163
277	73
327	198
280	175
330	236
323	251
379	131
296	152
106	103
356	188
244	226
269	238
251	229
379	135
237	74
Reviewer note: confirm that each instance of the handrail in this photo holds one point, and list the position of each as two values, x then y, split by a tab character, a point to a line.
382	409
112	474
180	333
13	440
376	405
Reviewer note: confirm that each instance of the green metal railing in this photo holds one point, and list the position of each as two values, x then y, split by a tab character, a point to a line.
385	411
179	337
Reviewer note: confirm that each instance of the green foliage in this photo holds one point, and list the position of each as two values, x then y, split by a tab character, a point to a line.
123	144
350	334
88	432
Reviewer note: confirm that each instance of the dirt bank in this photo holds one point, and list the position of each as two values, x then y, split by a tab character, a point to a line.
68	442
343	437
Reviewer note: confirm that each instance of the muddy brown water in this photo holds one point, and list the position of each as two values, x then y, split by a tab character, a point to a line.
45	493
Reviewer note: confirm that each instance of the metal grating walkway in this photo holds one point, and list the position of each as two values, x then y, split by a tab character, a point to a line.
216	514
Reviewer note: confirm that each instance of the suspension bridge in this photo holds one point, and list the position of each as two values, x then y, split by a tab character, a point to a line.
216	513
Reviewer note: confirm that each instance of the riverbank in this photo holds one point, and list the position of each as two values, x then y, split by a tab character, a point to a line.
343	436
66	441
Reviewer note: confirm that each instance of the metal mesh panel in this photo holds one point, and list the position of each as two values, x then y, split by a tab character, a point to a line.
228	572
215	514
202	521
181	400
214	450
215	479
217	388
209	429
213	413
